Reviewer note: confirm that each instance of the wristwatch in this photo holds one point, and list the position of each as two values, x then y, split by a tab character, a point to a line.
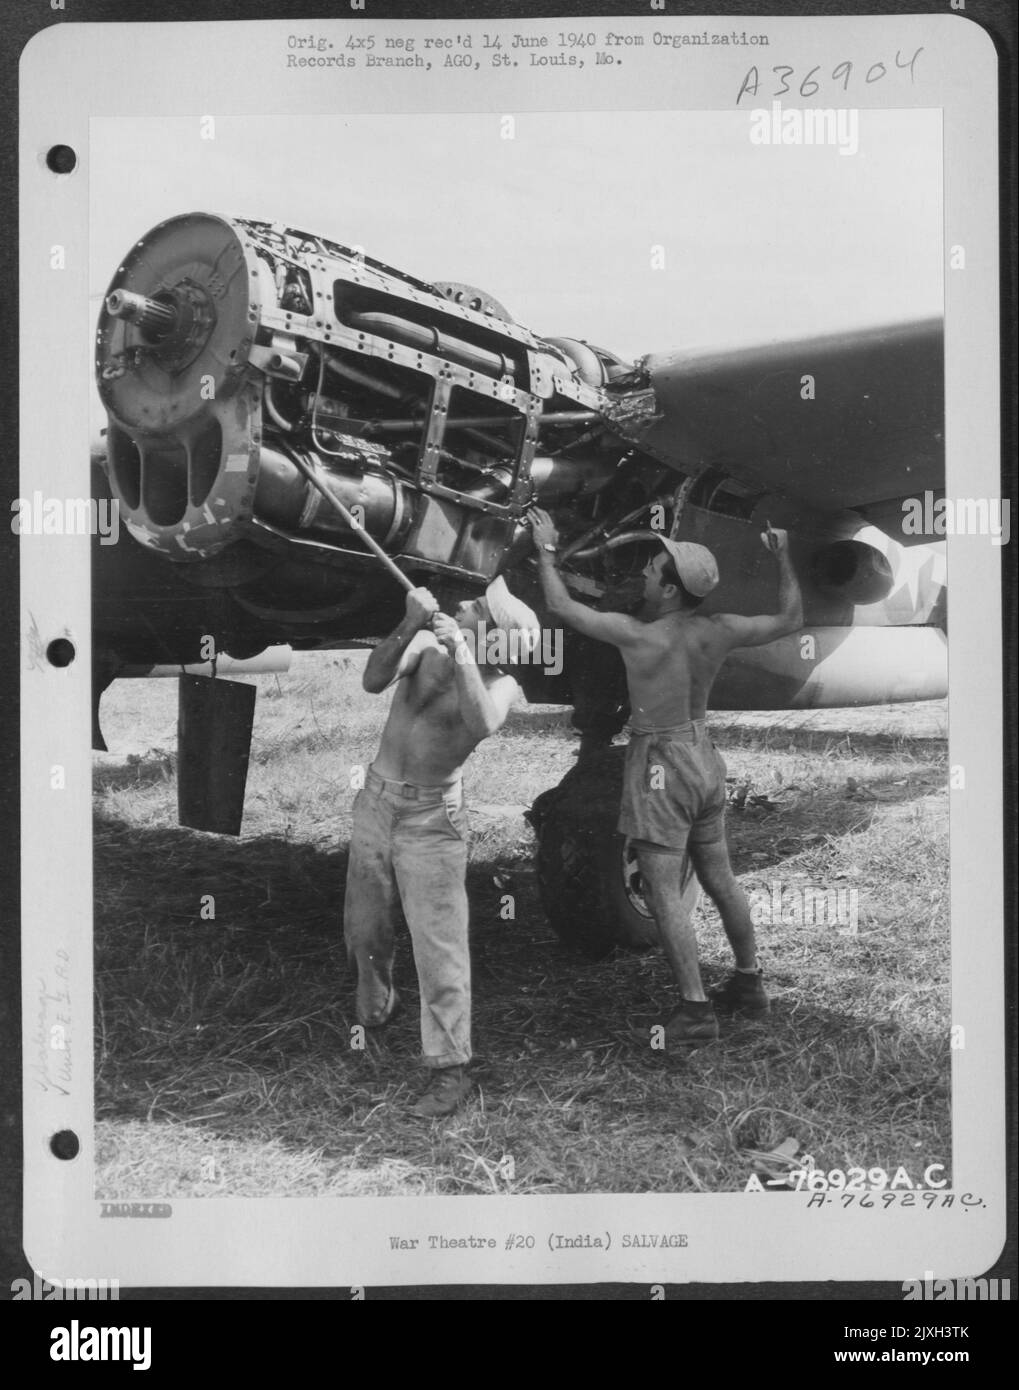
546	545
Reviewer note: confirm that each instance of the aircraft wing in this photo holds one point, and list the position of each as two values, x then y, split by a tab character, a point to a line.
853	420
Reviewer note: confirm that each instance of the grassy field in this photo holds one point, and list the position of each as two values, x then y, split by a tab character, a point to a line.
223	1056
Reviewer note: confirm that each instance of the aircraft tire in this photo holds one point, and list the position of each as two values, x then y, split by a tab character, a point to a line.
588	882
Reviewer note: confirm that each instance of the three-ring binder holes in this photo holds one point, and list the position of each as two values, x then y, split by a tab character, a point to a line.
61	159
60	652
64	1144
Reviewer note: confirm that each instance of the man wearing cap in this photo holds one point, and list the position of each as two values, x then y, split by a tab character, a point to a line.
674	780
408	843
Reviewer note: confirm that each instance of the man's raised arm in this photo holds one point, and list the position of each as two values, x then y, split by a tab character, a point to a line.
483	709
617	628
768	627
399	653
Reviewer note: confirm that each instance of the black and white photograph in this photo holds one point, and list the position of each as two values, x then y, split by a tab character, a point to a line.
488	834
513	751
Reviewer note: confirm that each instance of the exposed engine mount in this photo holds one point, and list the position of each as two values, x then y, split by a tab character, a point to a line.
232	356
246	367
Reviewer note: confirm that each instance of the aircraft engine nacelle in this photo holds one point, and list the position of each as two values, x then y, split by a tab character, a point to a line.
854	571
245	367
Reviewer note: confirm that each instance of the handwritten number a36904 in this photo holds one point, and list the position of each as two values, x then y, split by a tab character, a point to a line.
841	73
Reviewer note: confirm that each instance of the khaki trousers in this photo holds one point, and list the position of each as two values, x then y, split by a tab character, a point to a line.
408	845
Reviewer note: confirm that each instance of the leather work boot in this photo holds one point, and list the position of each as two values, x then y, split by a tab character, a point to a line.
693	1024
742	994
449	1089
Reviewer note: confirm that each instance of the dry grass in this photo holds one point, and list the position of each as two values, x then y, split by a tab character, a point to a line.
224	1064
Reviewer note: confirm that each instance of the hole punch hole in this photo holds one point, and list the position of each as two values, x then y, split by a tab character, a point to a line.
61	159
60	652
64	1144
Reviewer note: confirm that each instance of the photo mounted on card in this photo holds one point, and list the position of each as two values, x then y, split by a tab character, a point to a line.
504	799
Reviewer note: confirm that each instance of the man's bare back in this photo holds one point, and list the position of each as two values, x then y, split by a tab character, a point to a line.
671	663
672	654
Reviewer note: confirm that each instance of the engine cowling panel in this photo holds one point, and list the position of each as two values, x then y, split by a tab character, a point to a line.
227	347
247	368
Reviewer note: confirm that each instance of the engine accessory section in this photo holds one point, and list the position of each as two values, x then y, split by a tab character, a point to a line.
246	366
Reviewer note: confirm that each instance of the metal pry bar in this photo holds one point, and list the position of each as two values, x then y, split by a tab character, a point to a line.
334	502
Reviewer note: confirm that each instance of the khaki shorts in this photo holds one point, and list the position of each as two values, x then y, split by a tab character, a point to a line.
673	789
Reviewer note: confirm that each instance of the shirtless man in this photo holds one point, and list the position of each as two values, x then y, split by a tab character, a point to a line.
674	780
409	837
